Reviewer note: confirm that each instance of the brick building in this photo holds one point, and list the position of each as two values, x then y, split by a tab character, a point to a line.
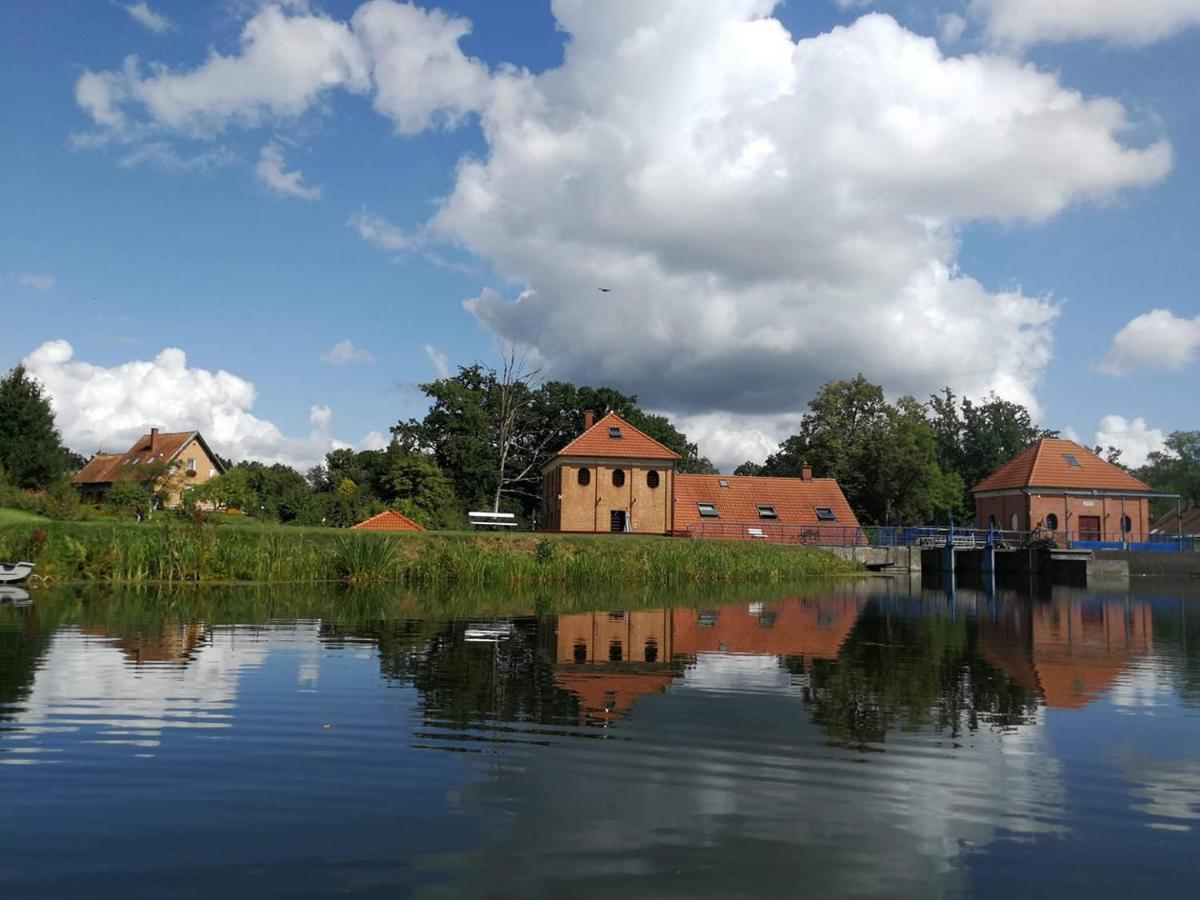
1067	492
614	478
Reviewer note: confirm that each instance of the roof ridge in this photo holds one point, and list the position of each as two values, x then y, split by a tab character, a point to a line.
565	451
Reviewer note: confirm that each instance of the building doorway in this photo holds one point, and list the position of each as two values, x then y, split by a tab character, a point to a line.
616	520
1089	528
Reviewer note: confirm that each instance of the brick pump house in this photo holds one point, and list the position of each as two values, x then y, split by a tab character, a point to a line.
1067	492
186	455
614	478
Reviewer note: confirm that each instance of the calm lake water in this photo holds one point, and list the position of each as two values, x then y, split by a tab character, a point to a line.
861	739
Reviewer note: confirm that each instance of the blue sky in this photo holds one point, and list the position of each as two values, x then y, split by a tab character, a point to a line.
768	215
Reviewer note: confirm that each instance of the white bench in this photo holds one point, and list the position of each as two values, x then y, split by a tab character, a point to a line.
756	533
492	520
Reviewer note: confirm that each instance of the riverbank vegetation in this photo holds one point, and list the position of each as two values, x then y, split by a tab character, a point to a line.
171	553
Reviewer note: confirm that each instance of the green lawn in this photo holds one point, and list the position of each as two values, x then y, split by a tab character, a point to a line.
19	517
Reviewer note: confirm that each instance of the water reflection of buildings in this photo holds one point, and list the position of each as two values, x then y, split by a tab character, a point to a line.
1070	650
611	659
131	687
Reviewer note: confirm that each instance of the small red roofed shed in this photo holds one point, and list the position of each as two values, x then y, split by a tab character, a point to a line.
388	520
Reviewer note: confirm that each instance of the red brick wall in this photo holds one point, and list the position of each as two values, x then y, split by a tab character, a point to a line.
1034	510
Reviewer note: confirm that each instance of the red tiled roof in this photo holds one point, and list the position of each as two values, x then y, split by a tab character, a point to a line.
795	500
98	469
104	468
794	628
632	444
1044	465
389	520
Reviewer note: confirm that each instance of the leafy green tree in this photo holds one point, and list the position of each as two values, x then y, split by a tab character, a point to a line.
231	490
1176	468
31	449
975	439
129	499
884	457
421	491
749	468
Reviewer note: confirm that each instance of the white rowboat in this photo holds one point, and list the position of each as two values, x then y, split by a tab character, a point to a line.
11	573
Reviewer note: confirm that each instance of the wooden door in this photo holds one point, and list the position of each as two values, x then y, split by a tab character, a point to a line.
1089	528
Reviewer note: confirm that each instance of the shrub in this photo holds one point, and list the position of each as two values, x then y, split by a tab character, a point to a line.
62	500
129	499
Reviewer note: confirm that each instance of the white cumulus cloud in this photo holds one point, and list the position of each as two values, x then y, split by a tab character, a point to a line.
1158	339
271	172
1126	22
37	282
1133	437
345	353
108	407
287	62
770	212
148	18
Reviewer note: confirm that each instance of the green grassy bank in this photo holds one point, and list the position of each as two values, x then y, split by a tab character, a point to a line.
175	553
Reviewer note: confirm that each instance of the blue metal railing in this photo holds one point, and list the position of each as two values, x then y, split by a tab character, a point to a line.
932	536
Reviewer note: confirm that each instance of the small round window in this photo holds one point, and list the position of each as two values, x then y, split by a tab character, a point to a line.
652	479
1052	522
585	477
618	477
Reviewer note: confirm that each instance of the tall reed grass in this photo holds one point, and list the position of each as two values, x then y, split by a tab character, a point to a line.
176	554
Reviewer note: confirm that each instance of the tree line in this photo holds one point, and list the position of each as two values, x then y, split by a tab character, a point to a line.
489	431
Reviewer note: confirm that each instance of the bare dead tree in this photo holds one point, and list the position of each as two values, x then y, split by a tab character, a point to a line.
515	383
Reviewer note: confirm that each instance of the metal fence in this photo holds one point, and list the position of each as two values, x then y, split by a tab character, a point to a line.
931	536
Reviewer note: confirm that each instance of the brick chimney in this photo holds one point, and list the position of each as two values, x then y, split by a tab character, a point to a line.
806	472
589	419
153	439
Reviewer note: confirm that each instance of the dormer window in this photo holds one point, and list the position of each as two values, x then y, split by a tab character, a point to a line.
767	512
1072	461
614	432
825	514
707	510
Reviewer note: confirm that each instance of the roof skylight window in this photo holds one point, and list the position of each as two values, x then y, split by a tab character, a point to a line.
1072	461
825	514
614	431
767	512
708	510
722	483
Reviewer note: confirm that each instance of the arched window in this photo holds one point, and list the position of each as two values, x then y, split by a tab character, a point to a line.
585	477
652	479
580	652
1014	522
1052	522
1126	524
618	477
991	521
614	651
